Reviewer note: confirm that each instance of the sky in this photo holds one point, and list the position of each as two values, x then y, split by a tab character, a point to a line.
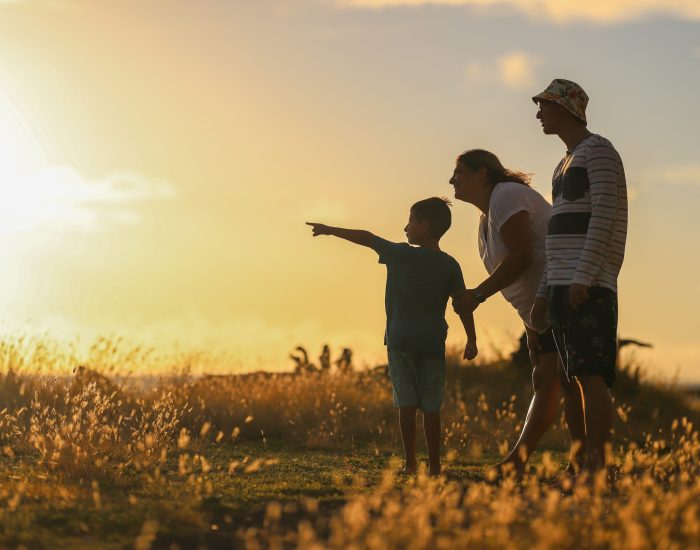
158	160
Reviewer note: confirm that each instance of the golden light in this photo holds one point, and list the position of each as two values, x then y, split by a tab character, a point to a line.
21	159
39	196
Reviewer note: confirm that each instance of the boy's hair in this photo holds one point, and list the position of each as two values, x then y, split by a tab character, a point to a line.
435	211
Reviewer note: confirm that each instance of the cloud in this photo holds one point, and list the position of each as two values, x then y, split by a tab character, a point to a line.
516	70
559	11
679	174
58	198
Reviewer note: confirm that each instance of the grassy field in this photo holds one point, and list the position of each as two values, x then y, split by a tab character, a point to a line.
103	458
212	504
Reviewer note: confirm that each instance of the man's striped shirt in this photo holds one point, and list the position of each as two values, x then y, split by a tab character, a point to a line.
586	239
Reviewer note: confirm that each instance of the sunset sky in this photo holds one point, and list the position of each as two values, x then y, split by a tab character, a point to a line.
158	159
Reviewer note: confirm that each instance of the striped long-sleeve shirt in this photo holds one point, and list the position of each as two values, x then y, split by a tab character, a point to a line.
587	231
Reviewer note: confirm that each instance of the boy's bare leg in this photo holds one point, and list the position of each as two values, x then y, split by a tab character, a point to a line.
542	411
598	409
407	423
431	426
573	413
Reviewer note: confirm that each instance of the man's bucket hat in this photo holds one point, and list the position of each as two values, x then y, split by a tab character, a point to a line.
568	94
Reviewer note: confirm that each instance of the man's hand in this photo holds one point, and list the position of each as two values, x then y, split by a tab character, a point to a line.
319	229
533	345
470	350
466	302
577	295
538	314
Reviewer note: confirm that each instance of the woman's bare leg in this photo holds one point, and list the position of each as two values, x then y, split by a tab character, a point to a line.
542	411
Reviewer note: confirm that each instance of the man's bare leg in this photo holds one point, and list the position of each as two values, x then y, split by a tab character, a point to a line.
431	426
407	423
598	409
542	411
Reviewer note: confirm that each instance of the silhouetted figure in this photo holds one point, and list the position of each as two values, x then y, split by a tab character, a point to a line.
325	358
301	361
344	363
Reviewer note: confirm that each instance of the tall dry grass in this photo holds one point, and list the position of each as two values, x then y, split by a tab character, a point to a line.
92	418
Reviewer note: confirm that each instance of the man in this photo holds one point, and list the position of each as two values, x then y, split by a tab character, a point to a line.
585	247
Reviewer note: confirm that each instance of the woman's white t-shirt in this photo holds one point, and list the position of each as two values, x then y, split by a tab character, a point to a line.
507	199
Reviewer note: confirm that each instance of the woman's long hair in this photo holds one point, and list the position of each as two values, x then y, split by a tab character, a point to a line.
497	173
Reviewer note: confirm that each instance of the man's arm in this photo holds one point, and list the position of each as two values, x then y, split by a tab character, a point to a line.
515	233
357	236
602	176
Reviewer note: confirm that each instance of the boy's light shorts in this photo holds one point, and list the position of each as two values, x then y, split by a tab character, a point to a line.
417	380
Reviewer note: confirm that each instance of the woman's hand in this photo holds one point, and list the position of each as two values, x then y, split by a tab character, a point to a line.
466	302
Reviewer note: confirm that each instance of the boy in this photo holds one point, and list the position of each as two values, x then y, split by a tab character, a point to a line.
420	280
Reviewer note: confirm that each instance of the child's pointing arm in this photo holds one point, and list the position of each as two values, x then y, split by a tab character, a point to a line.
357	236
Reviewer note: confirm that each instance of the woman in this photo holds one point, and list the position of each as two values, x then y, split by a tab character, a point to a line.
512	231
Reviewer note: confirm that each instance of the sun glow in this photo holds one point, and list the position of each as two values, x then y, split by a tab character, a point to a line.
21	158
40	196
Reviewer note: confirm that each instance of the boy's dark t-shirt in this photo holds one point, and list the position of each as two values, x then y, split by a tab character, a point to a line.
419	283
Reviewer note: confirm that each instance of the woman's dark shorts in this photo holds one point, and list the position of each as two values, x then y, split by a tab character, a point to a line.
586	338
547	344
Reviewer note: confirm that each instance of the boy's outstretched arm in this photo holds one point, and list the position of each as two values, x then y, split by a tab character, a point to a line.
357	236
